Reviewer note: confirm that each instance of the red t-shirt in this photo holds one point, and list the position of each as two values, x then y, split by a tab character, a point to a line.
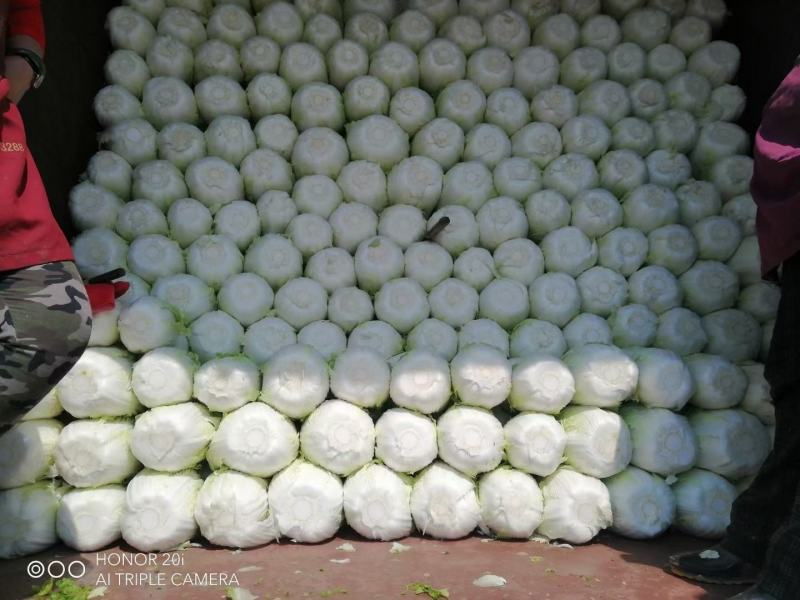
25	18
29	234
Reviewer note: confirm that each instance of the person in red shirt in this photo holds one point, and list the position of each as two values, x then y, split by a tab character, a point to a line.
45	314
762	544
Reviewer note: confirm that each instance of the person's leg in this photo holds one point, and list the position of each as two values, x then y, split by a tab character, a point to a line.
763	508
45	322
780	576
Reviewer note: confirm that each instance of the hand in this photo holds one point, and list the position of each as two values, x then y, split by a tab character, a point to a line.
20	77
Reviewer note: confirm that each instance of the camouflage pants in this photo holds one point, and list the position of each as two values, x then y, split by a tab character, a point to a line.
45	322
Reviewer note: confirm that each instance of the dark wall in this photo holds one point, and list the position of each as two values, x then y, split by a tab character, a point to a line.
62	130
60	124
766	31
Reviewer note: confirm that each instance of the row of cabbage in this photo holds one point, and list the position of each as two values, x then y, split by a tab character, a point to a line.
252	441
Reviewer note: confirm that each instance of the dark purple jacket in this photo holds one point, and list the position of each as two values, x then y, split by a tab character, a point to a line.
776	175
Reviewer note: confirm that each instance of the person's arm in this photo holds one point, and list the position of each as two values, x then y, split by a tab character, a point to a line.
25	30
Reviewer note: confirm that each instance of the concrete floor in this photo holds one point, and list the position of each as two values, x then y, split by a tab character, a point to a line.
609	569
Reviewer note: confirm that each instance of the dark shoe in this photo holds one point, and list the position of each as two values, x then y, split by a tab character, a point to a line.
753	594
715	565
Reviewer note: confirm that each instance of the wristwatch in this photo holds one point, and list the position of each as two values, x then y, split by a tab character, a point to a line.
34	60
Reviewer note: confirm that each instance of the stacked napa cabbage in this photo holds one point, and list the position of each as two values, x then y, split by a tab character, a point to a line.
577	349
